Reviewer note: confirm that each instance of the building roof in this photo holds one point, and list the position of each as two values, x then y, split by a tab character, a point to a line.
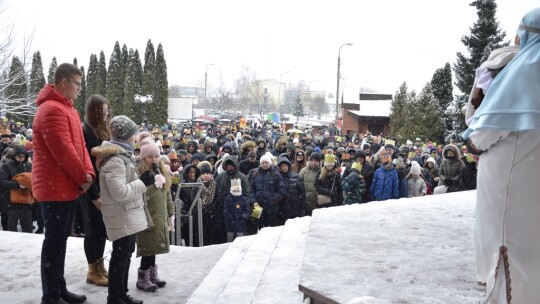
371	105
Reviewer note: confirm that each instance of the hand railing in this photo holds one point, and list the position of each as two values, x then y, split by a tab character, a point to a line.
197	202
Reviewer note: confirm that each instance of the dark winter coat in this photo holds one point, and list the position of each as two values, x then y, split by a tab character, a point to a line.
7	172
353	187
385	184
246	166
236	212
324	186
295	201
451	171
92	141
267	187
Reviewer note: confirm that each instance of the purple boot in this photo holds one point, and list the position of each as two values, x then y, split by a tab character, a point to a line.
143	281
154	277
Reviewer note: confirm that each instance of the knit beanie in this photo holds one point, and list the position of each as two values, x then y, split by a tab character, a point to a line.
267	157
122	127
415	168
148	146
315	156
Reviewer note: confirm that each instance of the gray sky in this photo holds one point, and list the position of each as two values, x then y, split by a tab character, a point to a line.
393	40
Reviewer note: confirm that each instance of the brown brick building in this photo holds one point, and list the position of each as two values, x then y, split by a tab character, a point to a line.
370	112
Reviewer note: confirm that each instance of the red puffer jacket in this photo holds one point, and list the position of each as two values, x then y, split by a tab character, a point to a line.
61	160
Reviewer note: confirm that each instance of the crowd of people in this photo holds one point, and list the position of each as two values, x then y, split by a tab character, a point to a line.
122	179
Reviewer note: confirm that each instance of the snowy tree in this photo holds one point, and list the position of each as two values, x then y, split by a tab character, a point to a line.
92	76
159	108
37	77
428	124
298	108
101	81
52	68
80	102
115	80
485	36
148	86
132	86
400	114
441	84
16	102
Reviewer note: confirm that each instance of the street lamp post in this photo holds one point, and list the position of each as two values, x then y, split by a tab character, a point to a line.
205	85
339	76
280	105
143	100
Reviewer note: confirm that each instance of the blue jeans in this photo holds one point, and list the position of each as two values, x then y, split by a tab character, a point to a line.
57	219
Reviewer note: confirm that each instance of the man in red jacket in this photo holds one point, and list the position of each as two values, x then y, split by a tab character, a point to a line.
61	170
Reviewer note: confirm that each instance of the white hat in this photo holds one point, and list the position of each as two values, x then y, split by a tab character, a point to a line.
415	168
267	157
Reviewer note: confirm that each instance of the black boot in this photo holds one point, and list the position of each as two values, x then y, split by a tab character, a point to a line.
72	298
130	300
59	301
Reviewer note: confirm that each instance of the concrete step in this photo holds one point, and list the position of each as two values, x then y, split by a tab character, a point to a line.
212	285
285	264
396	251
246	277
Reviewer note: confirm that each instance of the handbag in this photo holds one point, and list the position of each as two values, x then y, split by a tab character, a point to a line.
257	211
326	199
21	196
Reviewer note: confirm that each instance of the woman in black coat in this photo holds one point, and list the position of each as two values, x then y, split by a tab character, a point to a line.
328	182
294	204
95	129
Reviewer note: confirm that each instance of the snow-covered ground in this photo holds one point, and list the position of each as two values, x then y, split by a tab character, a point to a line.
416	250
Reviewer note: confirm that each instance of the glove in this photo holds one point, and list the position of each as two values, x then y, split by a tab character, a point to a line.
170	222
147	178
448	181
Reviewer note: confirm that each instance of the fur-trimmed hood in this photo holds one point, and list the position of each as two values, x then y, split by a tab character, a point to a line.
247	145
106	149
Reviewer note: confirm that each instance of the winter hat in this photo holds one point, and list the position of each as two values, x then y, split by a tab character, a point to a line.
148	146
267	157
389	146
315	156
345	156
122	127
182	152
197	156
252	154
415	168
330	159
236	187
204	167
366	146
172	155
357	166
430	159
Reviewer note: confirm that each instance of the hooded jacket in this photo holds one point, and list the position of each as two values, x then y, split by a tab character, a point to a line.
451	170
121	192
223	180
61	161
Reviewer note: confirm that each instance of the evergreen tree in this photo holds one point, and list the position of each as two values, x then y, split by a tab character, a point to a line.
485	36
80	102
101	84
37	77
148	84
159	108
92	76
52	68
441	84
75	61
115	81
132	86
398	111
426	118
16	95
298	108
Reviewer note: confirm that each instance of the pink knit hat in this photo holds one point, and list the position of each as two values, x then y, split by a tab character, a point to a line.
148	146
